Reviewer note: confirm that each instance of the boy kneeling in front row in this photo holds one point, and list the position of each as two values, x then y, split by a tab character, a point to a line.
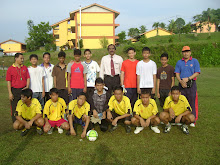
145	113
28	113
119	108
177	110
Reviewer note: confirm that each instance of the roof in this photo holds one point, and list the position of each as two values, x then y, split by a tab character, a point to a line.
67	19
95	4
12	41
155	29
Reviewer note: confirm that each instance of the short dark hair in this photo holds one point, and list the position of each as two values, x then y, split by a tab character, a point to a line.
99	80
118	88
87	50
62	54
27	92
18	54
175	88
53	90
111	45
131	48
33	56
164	55
82	94
145	91
145	49
46	53
77	52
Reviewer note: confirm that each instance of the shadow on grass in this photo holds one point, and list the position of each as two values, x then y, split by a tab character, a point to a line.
103	155
18	150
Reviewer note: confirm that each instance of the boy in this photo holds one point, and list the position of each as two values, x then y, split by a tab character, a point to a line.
176	110
48	79
146	73
54	111
76	76
37	79
28	113
79	114
129	77
92	69
59	77
17	78
145	113
165	79
119	108
99	104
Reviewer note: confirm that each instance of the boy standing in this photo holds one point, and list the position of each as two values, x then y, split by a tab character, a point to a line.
17	78
92	69
146	73
165	79
99	104
119	108
76	76
48	79
37	79
54	111
28	112
79	114
129	77
59	77
177	110
145	113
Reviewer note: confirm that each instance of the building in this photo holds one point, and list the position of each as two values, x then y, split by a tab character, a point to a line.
90	23
11	47
204	27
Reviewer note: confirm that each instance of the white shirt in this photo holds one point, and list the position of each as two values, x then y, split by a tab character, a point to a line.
146	72
48	79
36	75
105	67
92	69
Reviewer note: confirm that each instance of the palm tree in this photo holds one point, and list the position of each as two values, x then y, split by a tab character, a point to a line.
172	26
155	26
162	25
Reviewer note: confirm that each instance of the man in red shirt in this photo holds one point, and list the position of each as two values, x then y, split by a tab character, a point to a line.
129	77
17	78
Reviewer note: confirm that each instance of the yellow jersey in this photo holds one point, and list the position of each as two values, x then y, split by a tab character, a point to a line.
79	112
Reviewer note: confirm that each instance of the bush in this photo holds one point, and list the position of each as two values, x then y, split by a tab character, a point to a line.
80	44
104	42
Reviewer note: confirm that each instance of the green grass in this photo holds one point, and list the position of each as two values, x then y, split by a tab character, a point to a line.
201	146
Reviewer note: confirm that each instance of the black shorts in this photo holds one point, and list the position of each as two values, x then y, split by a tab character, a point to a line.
114	115
173	120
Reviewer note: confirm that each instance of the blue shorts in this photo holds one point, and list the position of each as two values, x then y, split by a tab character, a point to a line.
79	121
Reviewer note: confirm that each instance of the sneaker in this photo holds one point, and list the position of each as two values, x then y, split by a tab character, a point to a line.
60	130
128	128
24	132
50	131
39	131
155	129
178	124
138	130
185	129
113	128
192	125
167	128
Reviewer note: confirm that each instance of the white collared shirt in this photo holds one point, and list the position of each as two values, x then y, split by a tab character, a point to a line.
105	68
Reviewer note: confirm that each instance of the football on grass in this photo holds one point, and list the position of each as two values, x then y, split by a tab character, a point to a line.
92	135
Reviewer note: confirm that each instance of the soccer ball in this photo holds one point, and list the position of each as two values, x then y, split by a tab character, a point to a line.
92	135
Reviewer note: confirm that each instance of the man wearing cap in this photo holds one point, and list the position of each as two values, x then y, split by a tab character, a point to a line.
187	69
110	69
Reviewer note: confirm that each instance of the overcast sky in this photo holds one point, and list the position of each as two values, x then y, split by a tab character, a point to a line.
14	14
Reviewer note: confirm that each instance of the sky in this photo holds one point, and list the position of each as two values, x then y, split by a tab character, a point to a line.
14	14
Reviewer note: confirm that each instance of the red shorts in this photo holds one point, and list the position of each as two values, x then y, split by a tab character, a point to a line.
56	123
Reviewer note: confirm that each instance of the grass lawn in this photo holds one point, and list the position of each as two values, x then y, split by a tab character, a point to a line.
201	146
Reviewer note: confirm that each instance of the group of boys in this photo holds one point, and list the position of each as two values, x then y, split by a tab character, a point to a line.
125	91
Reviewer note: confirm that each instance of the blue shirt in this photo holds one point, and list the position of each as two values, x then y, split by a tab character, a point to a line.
187	69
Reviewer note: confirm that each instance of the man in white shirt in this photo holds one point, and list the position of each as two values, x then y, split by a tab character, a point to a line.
48	78
36	79
110	68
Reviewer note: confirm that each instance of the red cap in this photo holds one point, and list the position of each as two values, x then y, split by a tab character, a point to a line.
186	48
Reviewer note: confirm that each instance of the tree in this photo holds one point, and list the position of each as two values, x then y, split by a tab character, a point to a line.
143	39
179	24
187	28
122	37
156	26
133	32
172	26
143	29
104	42
162	25
39	35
